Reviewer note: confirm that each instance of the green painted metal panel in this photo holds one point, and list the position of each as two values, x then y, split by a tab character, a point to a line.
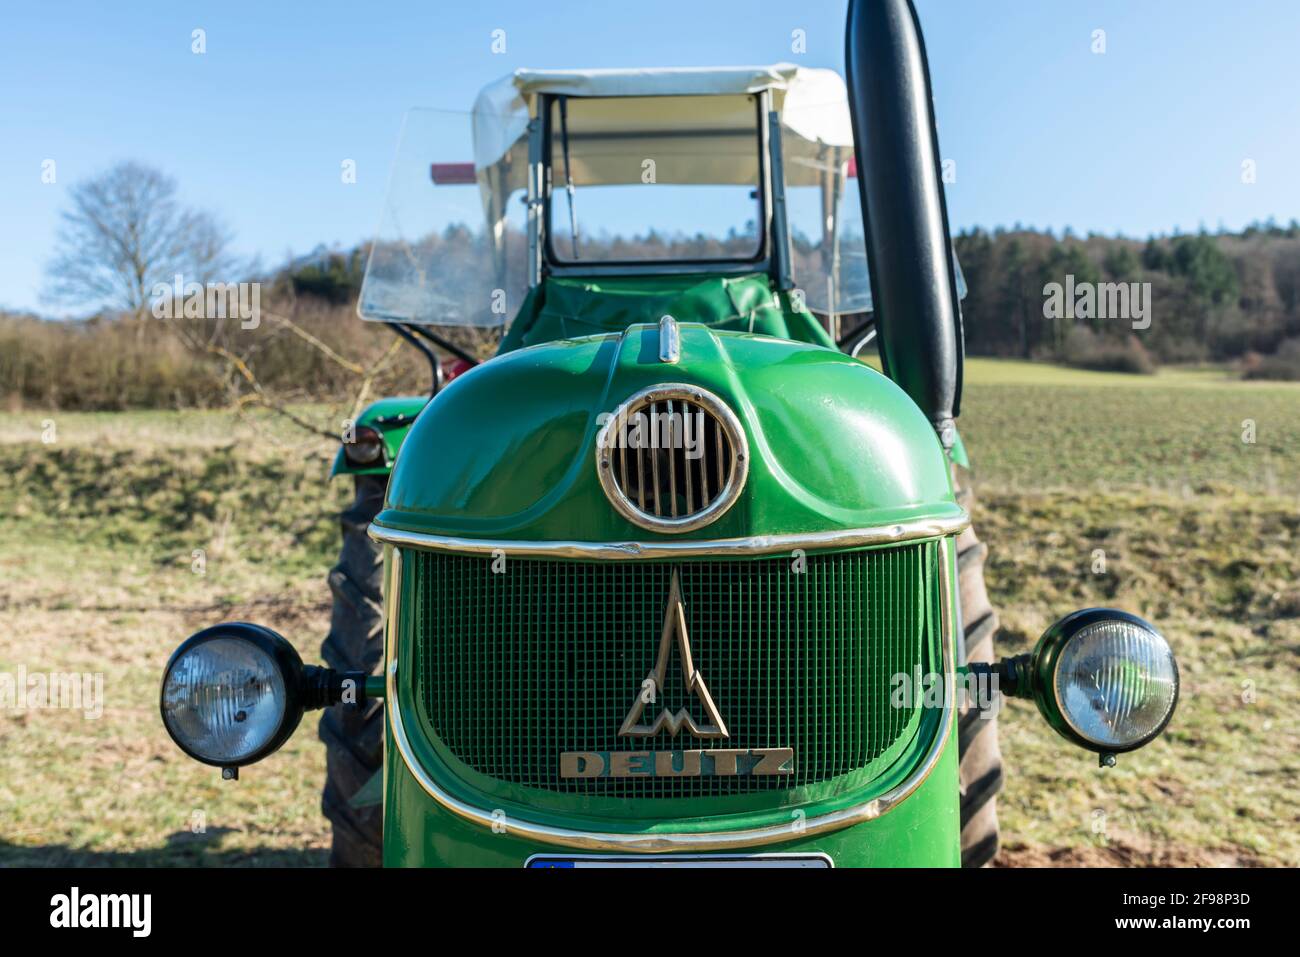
921	832
958	451
507	450
393	418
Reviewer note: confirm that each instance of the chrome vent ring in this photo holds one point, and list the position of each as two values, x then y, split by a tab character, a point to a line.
672	458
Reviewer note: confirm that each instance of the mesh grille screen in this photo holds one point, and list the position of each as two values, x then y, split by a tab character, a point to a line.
512	669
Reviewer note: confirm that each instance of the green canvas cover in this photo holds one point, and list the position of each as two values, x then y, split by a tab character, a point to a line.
571	308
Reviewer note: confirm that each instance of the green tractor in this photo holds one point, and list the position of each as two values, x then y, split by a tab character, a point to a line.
674	578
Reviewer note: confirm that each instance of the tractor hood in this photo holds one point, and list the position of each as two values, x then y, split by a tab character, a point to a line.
508	451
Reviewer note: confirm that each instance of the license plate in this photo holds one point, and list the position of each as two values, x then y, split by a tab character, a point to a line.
682	860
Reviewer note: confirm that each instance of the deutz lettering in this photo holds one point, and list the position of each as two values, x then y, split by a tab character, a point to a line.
717	762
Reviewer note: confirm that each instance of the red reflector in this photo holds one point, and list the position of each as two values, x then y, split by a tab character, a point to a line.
853	167
454	367
452	174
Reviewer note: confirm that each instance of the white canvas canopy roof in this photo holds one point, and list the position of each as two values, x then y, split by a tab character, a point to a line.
812	103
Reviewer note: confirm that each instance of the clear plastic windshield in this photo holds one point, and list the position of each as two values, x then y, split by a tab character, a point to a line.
654	183
452	244
828	245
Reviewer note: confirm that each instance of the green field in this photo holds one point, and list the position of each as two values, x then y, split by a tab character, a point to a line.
1043	427
1200	532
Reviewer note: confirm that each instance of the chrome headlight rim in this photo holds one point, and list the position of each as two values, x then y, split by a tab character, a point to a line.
282	655
1047	657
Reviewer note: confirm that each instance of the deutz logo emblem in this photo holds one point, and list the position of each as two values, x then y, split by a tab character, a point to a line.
653	686
692	763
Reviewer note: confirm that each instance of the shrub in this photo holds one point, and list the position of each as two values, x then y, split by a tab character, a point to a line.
1283	365
99	364
1084	349
110	364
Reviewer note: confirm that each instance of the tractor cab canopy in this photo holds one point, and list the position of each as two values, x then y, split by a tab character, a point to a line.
618	188
710	112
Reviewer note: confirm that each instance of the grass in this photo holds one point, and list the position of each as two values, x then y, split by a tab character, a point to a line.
127	533
1199	532
1139	492
1044	427
1219	574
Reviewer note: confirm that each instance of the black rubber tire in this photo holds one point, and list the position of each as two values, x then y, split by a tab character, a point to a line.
354	737
977	735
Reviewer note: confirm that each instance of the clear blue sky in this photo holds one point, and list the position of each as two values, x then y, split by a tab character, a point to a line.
1147	137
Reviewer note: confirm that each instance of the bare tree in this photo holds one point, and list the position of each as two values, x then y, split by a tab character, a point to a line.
126	231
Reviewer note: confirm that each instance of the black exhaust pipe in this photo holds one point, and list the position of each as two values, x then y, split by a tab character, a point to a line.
909	248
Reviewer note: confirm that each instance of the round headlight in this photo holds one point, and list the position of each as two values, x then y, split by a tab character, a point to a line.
1106	679
230	694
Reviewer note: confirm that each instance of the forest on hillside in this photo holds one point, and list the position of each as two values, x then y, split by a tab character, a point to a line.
1212	297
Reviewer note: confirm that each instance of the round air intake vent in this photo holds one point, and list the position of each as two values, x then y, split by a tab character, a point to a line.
672	458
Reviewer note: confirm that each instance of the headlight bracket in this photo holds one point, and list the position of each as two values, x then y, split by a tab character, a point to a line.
1030	676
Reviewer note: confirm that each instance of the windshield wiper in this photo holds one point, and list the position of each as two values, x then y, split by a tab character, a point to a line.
568	175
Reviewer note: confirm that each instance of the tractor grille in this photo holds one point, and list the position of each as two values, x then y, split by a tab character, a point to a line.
514	668
666	480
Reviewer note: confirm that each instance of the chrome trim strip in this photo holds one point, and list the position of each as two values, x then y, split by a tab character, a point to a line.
534	199
670	340
673	841
714	267
780	227
722	547
675	858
